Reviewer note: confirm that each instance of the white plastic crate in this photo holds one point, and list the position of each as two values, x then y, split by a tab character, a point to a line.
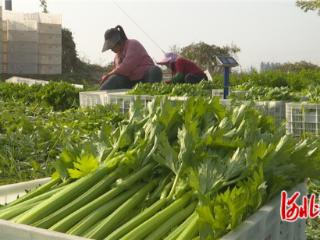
9	193
303	118
125	101
266	223
217	93
28	81
92	98
13	231
276	109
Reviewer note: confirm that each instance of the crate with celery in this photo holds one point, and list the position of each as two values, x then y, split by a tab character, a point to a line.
172	171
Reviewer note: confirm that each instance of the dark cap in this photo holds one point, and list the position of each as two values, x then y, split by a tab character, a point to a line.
111	37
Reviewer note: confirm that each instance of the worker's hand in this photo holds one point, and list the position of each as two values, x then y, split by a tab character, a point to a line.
103	78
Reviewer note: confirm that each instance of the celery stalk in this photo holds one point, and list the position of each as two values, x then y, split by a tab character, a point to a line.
110	223
149	225
136	221
69	221
101	212
80	201
171	223
58	200
176	232
190	231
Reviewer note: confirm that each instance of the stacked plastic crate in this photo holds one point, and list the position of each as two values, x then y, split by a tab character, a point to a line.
125	101
50	44
276	109
303	118
93	98
20	44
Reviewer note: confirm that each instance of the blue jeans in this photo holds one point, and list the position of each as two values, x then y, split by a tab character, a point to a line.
116	81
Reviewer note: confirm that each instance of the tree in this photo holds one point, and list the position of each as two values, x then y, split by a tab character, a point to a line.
204	54
309	5
44	6
69	53
76	67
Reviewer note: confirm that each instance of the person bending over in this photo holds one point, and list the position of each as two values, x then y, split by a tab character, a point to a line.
183	70
132	63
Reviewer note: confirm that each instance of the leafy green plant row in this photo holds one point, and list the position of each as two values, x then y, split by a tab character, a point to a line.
177	170
201	89
273	85
33	136
59	96
258	93
295	81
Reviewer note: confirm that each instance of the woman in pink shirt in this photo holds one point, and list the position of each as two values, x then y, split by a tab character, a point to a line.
132	63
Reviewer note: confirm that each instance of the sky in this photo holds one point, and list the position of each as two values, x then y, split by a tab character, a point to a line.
264	30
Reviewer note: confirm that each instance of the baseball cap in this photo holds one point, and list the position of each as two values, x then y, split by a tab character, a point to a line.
111	37
168	58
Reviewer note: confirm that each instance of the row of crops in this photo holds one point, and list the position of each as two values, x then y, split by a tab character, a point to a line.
174	170
246	90
33	134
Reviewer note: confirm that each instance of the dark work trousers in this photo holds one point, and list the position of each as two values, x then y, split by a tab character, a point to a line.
116	81
191	78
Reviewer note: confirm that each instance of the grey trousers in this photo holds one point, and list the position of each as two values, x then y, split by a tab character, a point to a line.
116	81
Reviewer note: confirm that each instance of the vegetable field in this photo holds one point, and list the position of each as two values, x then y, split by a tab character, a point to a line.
175	170
32	135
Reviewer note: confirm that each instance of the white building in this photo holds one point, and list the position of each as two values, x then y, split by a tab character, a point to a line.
30	43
